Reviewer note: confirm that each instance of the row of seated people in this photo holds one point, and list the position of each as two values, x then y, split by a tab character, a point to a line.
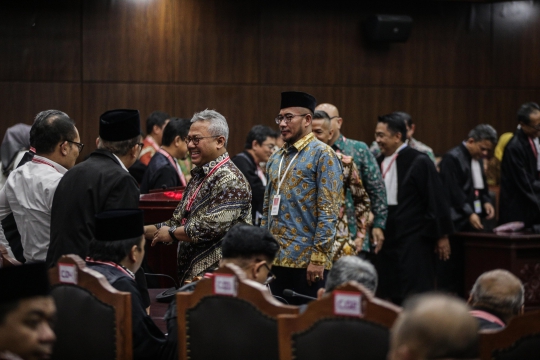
233	316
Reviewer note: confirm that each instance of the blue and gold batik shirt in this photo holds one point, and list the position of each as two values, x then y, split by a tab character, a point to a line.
305	226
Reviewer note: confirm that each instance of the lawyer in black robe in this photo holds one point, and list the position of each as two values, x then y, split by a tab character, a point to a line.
456	174
417	223
95	185
160	174
405	262
520	182
148	340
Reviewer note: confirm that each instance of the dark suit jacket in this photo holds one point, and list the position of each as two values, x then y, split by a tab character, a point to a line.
456	175
520	183
93	186
160	174
245	162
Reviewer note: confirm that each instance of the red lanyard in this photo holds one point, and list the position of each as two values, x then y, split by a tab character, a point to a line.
487	316
39	161
389	165
535	151
109	263
175	165
192	197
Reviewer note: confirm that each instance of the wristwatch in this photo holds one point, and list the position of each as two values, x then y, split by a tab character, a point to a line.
172	229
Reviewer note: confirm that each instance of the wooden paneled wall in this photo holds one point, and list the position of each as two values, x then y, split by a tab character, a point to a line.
464	64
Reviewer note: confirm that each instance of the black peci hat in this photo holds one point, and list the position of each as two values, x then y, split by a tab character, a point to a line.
120	224
23	281
298	99
119	125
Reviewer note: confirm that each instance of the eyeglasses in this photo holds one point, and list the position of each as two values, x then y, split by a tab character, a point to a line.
271	277
536	127
141	145
196	139
79	145
333	117
287	118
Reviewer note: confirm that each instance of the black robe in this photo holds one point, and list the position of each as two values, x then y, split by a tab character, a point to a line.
245	162
95	185
520	182
422	216
456	175
148	340
160	174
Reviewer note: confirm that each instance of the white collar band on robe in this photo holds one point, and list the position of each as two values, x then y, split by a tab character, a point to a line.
537	144
391	176
121	163
476	172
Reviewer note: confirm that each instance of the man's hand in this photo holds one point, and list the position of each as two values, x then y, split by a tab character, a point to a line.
443	248
161	235
475	221
490	211
314	273
359	243
377	238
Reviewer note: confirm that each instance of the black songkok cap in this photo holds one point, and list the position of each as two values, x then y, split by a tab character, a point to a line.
121	224
298	99
23	281
119	125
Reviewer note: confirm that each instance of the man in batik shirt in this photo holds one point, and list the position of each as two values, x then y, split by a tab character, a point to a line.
217	197
301	201
345	244
371	178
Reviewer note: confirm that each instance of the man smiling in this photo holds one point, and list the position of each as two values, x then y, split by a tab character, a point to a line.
217	197
302	199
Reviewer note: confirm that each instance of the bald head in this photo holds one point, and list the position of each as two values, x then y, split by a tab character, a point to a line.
434	326
499	291
335	119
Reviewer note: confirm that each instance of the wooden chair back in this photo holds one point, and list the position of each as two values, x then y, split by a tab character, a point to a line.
229	317
94	319
519	340
349	323
5	259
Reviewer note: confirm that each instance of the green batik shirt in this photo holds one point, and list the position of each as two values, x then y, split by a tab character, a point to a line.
372	180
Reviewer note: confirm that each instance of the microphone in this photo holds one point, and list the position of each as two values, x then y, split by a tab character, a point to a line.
290	293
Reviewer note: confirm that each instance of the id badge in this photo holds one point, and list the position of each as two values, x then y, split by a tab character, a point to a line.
275	205
477	206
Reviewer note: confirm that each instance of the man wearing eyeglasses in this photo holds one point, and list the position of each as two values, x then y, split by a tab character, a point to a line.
29	190
301	201
520	170
260	143
100	183
371	178
217	197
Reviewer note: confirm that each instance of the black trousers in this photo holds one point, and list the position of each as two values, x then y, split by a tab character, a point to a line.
296	280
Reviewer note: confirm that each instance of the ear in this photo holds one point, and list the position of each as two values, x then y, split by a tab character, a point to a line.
156	129
254	143
339	122
64	148
97	142
308	119
220	142
470	141
133	254
177	140
320	293
135	151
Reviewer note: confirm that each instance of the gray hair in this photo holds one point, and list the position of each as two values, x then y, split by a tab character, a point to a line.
218	124
46	113
484	132
349	268
119	148
500	291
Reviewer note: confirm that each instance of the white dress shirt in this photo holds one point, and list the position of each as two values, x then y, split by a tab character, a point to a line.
390	176
28	194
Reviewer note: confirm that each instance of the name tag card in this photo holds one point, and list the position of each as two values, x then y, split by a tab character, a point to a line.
67	273
347	303
225	284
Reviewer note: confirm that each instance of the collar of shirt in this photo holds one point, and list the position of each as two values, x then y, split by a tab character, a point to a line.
58	167
121	163
300	144
206	168
338	145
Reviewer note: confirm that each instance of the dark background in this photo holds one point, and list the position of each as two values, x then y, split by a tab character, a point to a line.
465	63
